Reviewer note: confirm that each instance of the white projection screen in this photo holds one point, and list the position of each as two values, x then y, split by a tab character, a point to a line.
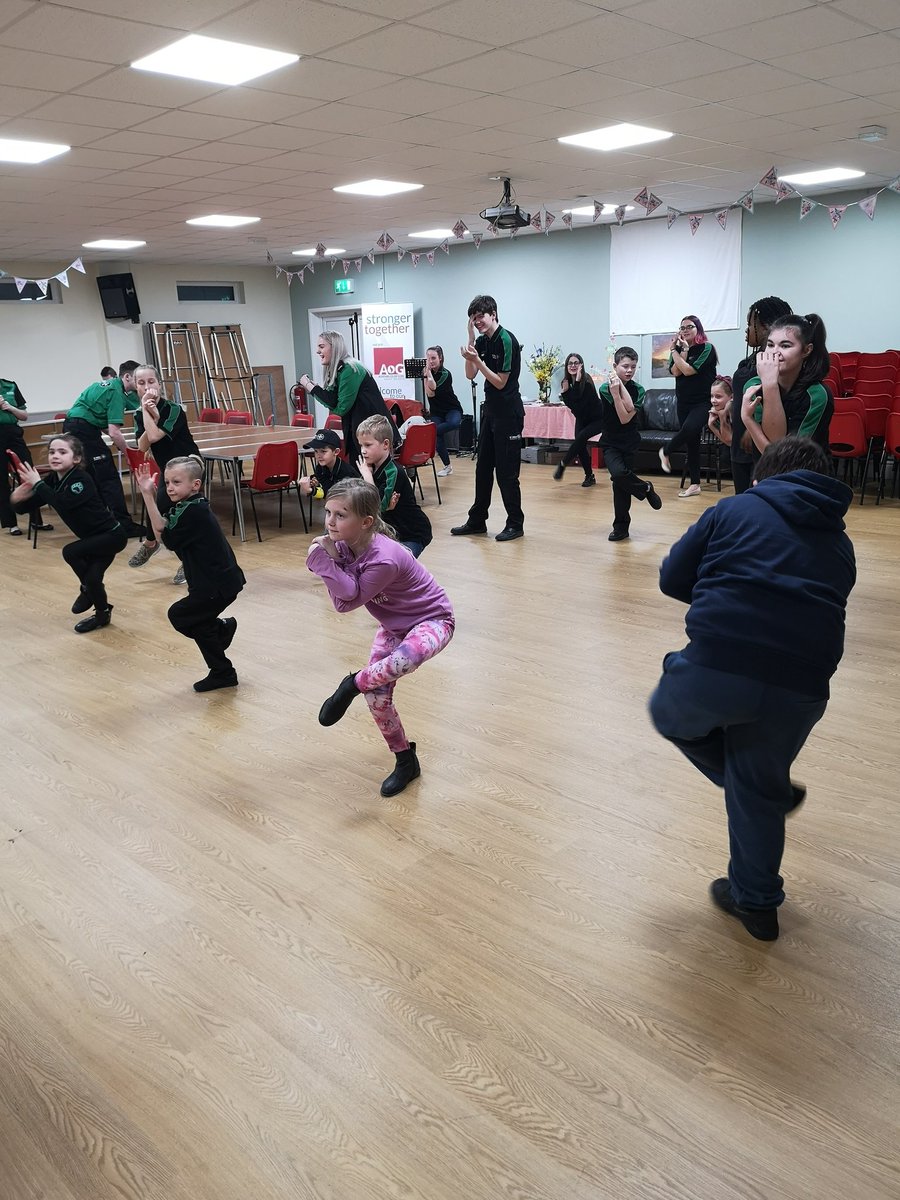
658	275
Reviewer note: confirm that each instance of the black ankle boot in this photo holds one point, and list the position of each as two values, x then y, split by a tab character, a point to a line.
339	701
83	603
101	618
406	770
560	471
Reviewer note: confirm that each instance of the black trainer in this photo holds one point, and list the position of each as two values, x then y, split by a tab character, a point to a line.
467	527
560	471
510	533
229	629
653	497
799	794
406	770
83	603
99	620
217	679
339	701
761	923
619	535
590	480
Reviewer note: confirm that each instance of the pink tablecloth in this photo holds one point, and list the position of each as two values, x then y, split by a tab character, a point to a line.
549	421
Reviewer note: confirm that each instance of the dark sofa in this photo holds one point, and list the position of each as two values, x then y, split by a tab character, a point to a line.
658	421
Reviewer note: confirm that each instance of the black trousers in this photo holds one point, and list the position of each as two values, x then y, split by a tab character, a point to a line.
90	558
580	448
625	484
693	418
741	474
500	453
11	439
197	617
99	461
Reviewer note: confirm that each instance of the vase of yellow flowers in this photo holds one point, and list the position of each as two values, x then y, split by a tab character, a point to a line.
542	362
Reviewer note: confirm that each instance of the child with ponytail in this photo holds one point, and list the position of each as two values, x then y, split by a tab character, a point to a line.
362	566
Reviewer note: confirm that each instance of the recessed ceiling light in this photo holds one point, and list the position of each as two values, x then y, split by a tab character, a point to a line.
14	150
587	210
222	221
214	60
616	137
433	233
112	244
311	253
377	187
828	175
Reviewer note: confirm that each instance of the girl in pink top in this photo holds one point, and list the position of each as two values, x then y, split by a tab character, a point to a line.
361	565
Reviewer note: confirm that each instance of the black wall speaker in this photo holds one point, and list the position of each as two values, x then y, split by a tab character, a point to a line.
118	297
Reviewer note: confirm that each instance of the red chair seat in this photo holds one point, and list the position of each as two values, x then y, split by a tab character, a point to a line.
418	450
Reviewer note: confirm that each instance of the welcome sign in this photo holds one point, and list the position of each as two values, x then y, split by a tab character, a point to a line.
386	338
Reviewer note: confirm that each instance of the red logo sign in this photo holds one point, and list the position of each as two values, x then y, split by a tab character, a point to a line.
388	361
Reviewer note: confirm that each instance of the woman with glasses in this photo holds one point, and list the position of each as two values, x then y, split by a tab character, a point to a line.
692	363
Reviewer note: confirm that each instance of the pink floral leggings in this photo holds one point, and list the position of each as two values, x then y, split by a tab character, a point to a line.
393	657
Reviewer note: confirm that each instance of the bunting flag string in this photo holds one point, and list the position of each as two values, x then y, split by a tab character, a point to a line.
44	281
414	258
868	205
536	222
460	229
620	214
320	249
783	191
345	263
695	220
806	207
770	179
357	262
836	212
445	246
549	218
567	220
430	257
476	240
598	211
722	217
371	257
672	215
746	202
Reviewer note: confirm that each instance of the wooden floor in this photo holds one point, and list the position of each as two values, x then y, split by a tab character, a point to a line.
231	970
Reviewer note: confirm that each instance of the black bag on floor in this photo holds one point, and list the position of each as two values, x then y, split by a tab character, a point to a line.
467	432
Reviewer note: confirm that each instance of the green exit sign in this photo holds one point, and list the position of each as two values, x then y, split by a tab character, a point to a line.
343	286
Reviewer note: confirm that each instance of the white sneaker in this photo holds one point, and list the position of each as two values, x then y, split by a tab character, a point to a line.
448	470
664	461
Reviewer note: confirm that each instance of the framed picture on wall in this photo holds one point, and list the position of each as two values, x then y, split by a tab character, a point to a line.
659	357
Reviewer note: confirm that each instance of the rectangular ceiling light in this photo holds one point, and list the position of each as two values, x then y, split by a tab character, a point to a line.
14	150
616	137
222	221
377	187
112	244
311	253
213	60
587	210
827	175
436	234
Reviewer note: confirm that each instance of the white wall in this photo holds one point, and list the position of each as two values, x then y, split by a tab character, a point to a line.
55	350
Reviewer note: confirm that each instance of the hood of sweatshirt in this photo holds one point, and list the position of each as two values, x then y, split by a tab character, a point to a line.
806	499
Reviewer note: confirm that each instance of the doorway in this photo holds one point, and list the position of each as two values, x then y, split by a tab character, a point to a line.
342	320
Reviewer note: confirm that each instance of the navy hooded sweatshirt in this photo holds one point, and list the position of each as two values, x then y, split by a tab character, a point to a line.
767	575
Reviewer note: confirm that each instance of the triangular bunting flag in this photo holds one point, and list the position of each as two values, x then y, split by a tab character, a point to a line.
430	257
63	278
695	220
513	233
311	267
746	201
620	214
836	211
269	259
476	239
42	284
77	265
445	246
381	242
642	198
492	229
278	271
806	207
371	257
333	262
867	205
770	179
320	249
300	275
345	263
894	185
653	203
783	191
549	218
400	253
672	215
357	262
20	283
460	229
536	222
290	277
598	212
414	258
722	217
567	220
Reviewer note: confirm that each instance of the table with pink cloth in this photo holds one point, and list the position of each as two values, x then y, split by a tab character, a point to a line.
550	421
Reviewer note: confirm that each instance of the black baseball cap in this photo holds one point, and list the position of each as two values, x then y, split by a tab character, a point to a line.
325	439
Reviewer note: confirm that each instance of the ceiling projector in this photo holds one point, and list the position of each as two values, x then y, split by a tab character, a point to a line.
506	215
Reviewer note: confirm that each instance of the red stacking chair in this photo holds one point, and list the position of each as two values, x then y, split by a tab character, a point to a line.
238	418
848	360
137	459
302	420
847	440
212	416
402	410
334	422
418	450
276	468
891	451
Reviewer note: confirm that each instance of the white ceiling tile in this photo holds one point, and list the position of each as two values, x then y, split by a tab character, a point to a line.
146	143
106	160
249	104
831	63
15	101
52	29
406	44
175	13
680	15
874	82
296	29
416	97
223	152
497	71
798	96
880	14
499	111
145	87
201	126
87	110
576	89
341	118
488	139
856	111
740	81
22	68
280	137
321	80
677	62
510	20
394	10
607	38
767	39
53	131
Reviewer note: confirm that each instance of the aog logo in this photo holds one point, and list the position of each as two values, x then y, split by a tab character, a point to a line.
388	361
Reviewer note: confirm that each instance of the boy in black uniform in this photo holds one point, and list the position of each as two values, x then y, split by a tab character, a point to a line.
621	397
330	467
398	500
496	354
12	411
213	575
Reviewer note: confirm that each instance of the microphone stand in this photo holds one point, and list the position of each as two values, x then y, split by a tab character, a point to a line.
474	419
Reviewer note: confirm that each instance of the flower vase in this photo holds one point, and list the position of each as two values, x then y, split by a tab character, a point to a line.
544	393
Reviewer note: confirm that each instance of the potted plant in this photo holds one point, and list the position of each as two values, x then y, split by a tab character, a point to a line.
542	362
